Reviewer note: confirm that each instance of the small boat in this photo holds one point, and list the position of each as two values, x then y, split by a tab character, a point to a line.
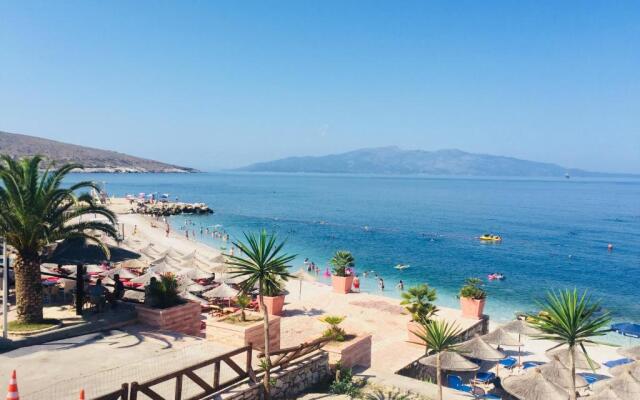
496	277
490	238
402	266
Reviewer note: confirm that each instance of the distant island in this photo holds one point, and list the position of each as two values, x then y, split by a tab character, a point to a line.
94	160
393	160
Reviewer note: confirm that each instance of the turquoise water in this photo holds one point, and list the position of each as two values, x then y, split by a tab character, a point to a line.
555	231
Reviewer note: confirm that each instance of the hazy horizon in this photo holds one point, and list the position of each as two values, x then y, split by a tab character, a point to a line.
220	85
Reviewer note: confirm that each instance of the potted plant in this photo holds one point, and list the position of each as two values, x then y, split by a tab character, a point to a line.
163	308
263	264
472	298
347	350
342	279
418	301
274	299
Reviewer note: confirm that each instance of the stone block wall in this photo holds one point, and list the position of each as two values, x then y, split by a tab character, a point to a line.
184	318
243	335
289	382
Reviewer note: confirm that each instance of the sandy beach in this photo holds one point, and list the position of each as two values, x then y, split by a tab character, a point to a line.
380	316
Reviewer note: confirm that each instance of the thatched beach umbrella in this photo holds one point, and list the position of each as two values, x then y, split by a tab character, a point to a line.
223	291
480	349
196	288
605	393
189	256
582	360
624	385
450	361
220	258
302	275
631	352
164	268
500	337
194	273
558	373
633	368
122	272
145	278
193	297
532	385
520	327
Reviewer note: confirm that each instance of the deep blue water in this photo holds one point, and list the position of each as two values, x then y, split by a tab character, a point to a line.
555	231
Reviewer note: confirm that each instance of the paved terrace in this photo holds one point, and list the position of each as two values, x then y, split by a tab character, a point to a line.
101	362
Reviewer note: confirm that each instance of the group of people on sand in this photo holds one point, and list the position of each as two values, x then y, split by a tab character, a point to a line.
311	266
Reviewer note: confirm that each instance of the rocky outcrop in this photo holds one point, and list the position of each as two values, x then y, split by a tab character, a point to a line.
167	209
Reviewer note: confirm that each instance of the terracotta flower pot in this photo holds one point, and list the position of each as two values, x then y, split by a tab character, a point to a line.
341	284
472	308
412	328
274	304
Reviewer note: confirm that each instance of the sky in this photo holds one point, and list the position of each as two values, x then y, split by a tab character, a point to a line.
221	84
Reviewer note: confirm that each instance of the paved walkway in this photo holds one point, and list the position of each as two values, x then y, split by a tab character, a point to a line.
100	363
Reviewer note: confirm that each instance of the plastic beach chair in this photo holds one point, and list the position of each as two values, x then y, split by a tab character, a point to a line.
485	377
590	378
615	363
531	364
455	382
508	362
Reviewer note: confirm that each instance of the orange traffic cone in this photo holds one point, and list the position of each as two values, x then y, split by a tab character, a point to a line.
81	394
12	391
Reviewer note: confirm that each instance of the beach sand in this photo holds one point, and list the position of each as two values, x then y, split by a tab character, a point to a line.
381	316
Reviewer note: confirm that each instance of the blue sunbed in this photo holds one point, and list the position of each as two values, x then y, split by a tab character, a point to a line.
590	378
485	377
627	329
508	362
531	364
455	382
615	363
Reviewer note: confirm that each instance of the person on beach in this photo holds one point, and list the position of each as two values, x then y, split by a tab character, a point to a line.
135	229
356	284
400	285
381	284
187	234
167	230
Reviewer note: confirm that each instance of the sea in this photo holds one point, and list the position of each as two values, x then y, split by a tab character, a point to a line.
555	232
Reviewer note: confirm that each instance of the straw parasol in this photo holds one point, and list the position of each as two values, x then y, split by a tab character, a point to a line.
500	337
302	275
194	273
450	361
122	272
145	278
193	297
606	393
189	256
631	352
230	278
625	386
134	264
223	291
633	368
220	258
581	360
520	327
558	373
532	385
479	349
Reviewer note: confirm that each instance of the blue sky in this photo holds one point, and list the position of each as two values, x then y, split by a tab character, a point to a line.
222	84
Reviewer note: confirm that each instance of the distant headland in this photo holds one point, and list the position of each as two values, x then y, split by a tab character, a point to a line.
394	160
94	160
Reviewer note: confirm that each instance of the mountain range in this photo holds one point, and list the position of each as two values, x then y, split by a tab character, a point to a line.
94	160
394	160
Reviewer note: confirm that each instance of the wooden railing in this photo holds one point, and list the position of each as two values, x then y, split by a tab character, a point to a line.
281	358
121	394
208	388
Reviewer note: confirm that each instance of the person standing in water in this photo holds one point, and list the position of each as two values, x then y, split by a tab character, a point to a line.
381	284
400	285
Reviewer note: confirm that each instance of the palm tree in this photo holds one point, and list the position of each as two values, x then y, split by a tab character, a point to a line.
342	260
261	263
438	336
570	319
35	211
418	300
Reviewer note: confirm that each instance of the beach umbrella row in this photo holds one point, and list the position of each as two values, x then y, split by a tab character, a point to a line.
625	386
532	385
631	352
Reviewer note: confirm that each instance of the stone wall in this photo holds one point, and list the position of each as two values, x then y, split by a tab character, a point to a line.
184	318
289	382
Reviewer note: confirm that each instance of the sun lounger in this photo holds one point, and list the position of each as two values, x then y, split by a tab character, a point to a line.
590	378
615	363
531	364
455	382
508	363
485	377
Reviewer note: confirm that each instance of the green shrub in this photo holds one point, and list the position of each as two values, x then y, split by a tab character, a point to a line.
344	384
472	289
341	261
334	332
418	300
164	292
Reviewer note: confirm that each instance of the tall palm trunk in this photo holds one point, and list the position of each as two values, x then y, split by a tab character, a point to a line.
439	376
572	355
267	350
28	289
